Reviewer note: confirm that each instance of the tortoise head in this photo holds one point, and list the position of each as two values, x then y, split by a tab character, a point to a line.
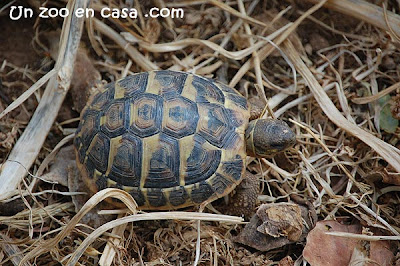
265	137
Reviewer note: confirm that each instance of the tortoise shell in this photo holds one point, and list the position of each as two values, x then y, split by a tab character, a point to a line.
170	139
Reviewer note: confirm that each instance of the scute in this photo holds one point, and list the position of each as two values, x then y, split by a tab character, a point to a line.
116	118
101	182
201	192
170	139
207	92
90	168
216	127
137	194
171	83
134	84
201	163
156	197
101	99
234	168
181	117
163	164
126	166
99	151
239	100
147	114
85	133
220	184
178	196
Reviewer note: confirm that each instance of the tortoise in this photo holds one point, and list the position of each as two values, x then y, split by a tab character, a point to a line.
171	139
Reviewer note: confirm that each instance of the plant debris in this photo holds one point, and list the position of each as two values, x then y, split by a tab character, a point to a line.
322	247
276	225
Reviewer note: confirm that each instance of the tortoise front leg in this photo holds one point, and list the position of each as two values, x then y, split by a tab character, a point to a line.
244	200
256	106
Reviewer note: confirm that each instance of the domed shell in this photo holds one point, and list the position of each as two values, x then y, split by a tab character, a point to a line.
170	139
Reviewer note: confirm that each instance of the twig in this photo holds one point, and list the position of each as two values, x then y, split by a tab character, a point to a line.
28	93
363	237
367	12
31	141
12	250
368	99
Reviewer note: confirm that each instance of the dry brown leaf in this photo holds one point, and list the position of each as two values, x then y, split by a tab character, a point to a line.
380	252
59	169
277	233
347	248
281	219
84	78
322	249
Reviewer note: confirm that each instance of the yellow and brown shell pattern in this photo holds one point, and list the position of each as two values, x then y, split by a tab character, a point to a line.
171	139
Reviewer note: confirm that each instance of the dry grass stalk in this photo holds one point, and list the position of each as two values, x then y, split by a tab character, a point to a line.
375	215
29	144
90	204
149	216
368	99
12	250
28	93
135	55
268	49
387	151
364	237
109	252
234	12
367	12
35	216
129	202
348	174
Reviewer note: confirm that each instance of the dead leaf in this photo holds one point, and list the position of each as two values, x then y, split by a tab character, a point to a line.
281	219
85	76
59	170
324	249
263	241
380	252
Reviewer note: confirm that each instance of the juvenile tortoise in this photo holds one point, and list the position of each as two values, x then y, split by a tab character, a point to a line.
171	139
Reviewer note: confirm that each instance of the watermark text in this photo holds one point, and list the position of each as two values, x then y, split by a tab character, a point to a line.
20	12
